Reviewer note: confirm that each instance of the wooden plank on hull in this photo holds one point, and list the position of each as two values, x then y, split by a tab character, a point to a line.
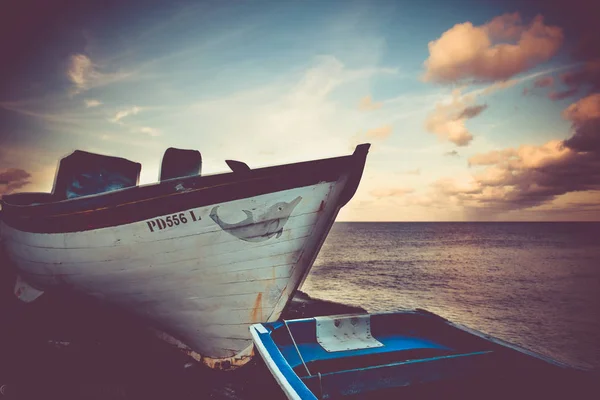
158	277
184	280
189	258
234	301
219	316
126	276
236	331
44	272
210	337
171	250
268	286
196	285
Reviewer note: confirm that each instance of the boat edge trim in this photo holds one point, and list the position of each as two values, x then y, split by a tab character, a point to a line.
290	392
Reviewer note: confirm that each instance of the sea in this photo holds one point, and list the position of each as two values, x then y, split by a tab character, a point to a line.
534	284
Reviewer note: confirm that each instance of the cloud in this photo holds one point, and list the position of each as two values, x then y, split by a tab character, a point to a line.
472	111
89	103
367	104
490	158
587	75
80	70
12	179
416	171
290	116
543	81
124	113
547	81
562	94
495	51
530	176
379	133
321	80
577	78
587	51
452	153
584	110
503	85
585	116
84	74
390	192
448	120
376	134
149	131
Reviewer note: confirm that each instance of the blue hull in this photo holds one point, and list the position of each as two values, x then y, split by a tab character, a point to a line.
396	354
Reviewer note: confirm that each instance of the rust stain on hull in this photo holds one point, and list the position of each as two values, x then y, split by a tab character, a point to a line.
321	206
223	364
257	311
231	363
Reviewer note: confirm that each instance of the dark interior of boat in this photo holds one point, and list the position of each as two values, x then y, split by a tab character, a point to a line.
82	174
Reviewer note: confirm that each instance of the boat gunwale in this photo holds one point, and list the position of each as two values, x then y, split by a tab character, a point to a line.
285	376
5	200
141	203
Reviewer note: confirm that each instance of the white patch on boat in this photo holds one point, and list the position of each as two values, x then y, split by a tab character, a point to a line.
25	292
345	332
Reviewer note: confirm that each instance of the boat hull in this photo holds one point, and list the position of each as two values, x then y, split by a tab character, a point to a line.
200	274
199	282
401	354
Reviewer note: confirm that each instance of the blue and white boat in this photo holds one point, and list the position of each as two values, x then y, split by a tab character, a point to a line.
404	355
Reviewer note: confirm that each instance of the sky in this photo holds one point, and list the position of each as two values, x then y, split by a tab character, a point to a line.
476	110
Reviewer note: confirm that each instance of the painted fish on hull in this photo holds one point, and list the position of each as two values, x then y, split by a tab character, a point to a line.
262	227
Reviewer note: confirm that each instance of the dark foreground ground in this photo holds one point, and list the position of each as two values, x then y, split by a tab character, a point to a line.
63	347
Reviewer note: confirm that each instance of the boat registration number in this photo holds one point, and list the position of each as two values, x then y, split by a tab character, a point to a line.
158	224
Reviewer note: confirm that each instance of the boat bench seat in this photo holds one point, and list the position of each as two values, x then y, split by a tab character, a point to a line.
369	360
395	348
399	374
179	163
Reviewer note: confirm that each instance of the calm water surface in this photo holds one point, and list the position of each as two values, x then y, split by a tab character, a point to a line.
533	284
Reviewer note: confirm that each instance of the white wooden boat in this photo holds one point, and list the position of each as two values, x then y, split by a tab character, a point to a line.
199	257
